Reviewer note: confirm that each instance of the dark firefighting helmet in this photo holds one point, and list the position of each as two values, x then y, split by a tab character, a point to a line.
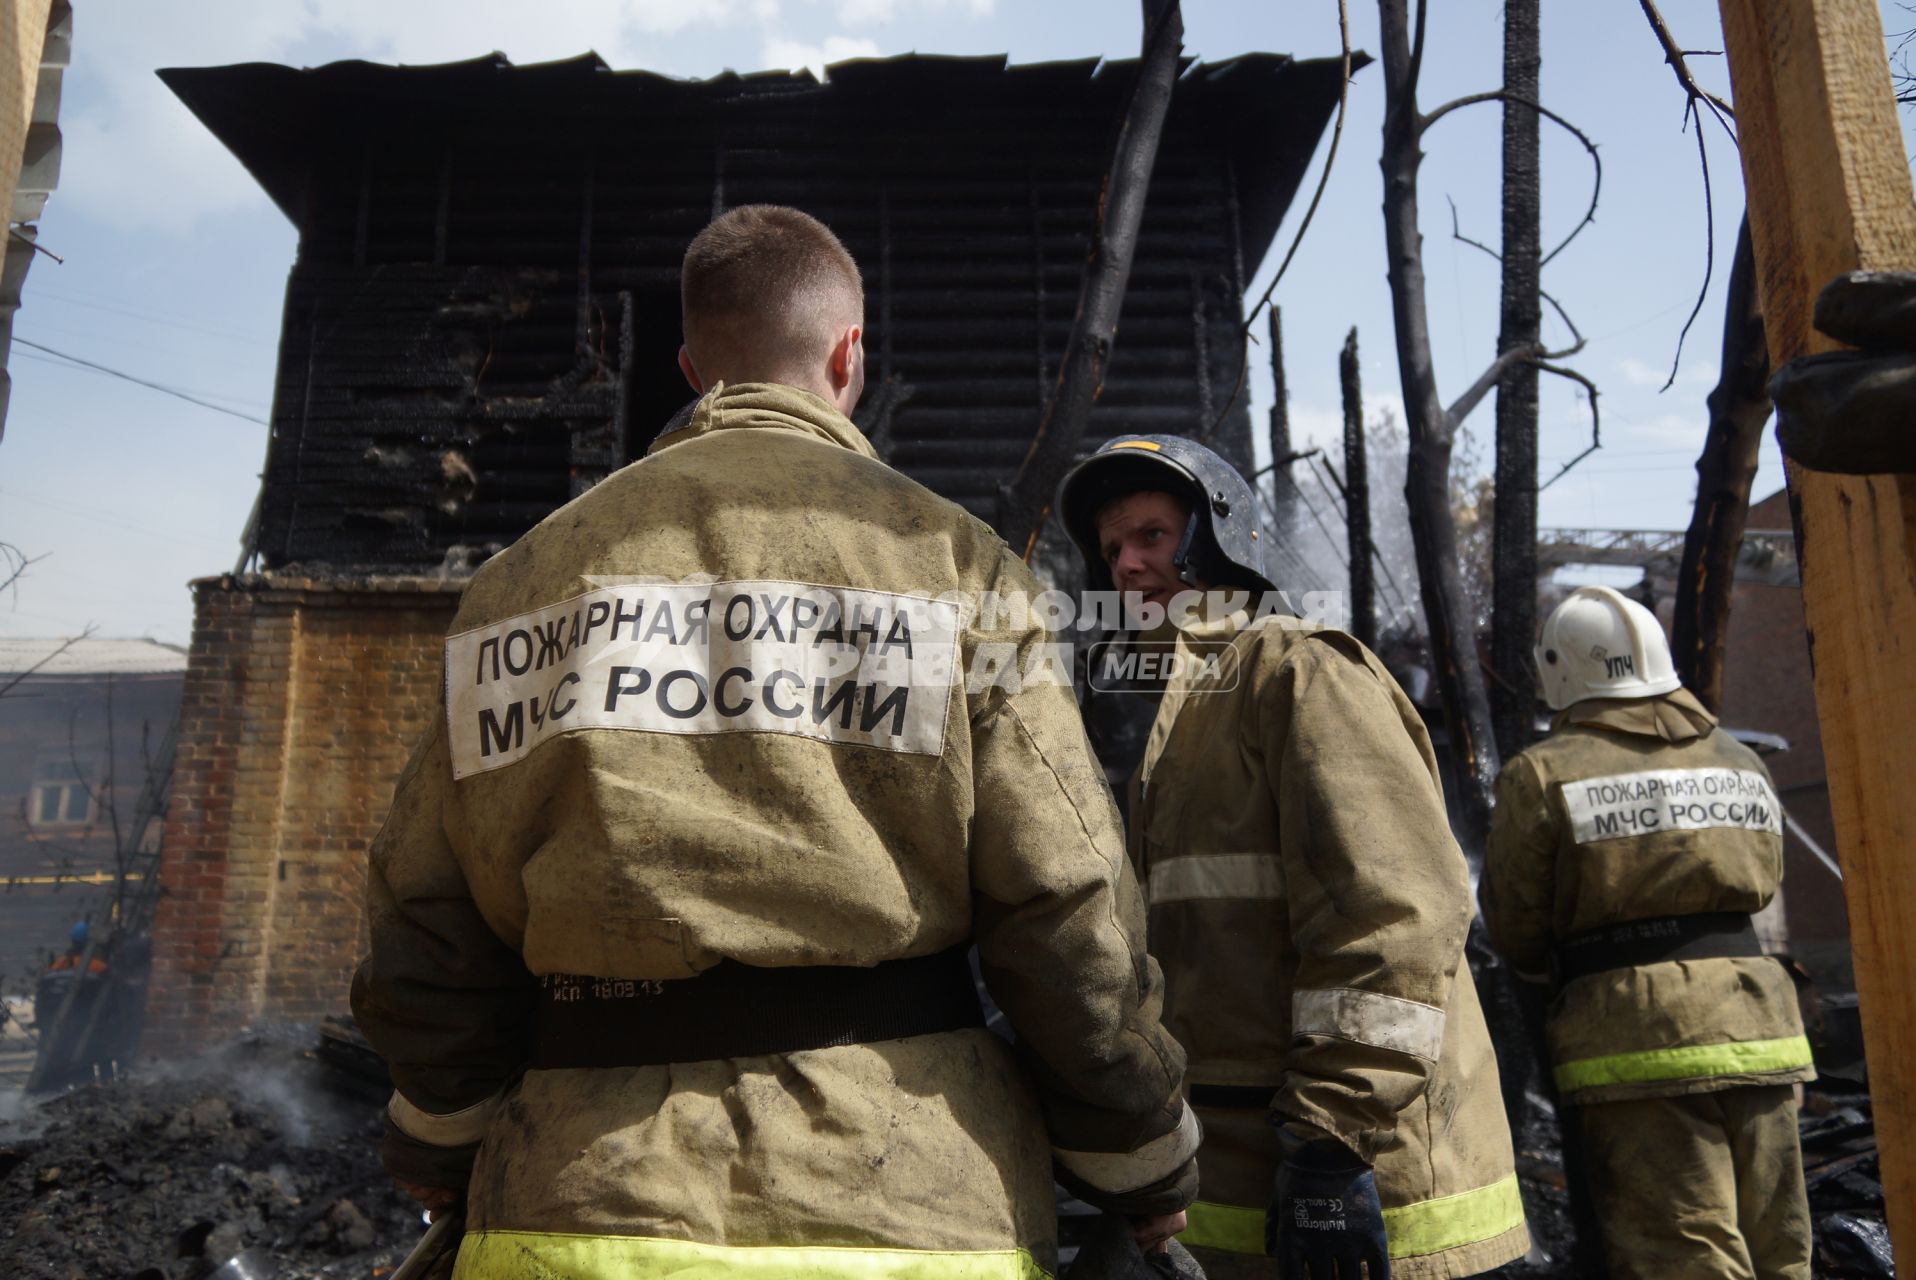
1221	546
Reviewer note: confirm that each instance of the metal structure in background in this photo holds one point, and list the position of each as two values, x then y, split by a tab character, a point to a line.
1767	555
483	319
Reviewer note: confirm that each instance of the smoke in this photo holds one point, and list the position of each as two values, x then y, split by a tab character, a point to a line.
251	1069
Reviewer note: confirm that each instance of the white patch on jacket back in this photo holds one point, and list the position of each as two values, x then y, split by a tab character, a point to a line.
1641	804
840	665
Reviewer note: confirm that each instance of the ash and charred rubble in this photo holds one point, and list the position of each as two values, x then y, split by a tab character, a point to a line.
165	1177
269	1146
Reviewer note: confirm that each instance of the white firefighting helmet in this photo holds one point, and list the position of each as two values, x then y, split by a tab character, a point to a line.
1597	644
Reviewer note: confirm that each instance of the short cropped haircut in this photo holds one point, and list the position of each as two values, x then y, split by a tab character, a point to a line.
767	287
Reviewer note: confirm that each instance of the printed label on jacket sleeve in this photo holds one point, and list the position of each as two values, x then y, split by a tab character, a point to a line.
833	663
1640	804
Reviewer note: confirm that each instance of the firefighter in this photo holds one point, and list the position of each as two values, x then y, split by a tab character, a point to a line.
1306	900
669	919
1629	850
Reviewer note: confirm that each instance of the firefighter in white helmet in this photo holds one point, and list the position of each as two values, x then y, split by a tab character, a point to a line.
669	920
1628	852
1307	902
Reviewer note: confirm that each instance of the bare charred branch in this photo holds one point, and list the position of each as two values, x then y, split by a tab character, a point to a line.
1677	57
1298	455
1596	422
1023	503
1709	243
1899	67
1461	407
1739	406
1456	233
14	564
1506	97
1696	99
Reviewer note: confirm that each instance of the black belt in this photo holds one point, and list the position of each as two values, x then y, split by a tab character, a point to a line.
734	1010
1707	935
1246	1097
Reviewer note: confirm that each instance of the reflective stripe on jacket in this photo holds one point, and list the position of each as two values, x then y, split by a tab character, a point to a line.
514	1255
594	815
1634	809
1309	907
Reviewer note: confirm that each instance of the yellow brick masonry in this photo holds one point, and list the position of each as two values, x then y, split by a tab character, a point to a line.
23	31
302	698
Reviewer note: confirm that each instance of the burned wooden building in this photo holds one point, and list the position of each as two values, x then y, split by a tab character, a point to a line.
482	322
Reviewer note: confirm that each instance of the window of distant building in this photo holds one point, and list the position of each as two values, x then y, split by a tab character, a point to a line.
62	794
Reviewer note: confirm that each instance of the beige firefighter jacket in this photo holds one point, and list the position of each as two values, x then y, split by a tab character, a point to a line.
1633	809
638	778
1309	907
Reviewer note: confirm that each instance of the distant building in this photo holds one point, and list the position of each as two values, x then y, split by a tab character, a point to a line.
78	727
482	322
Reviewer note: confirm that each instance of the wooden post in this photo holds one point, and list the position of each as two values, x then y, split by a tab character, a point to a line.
1829	191
23	34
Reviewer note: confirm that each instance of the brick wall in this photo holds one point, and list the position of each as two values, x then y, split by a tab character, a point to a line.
303	698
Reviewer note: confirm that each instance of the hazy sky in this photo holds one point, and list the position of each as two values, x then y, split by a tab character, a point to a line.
176	263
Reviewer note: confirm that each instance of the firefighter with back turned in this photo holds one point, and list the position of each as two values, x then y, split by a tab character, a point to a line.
1628	851
669	920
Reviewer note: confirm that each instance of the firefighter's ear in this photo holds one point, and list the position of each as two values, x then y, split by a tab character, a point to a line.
691	374
847	358
845	368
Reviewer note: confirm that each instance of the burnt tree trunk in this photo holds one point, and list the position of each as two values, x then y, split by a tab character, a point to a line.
1514	518
1739	406
1283	488
1023	503
1363	601
1472	754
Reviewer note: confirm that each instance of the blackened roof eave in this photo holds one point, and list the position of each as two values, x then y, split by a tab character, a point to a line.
1271	109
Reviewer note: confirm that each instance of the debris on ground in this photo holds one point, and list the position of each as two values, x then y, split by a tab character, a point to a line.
268	1148
1845	1183
167	1175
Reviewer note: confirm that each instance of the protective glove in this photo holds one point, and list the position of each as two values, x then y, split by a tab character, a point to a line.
423	1164
1849	411
1325	1221
1109	1253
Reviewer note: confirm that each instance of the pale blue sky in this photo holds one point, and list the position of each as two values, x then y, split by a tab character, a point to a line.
176	264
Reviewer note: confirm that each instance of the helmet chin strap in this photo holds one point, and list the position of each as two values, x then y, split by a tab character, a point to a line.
1181	558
